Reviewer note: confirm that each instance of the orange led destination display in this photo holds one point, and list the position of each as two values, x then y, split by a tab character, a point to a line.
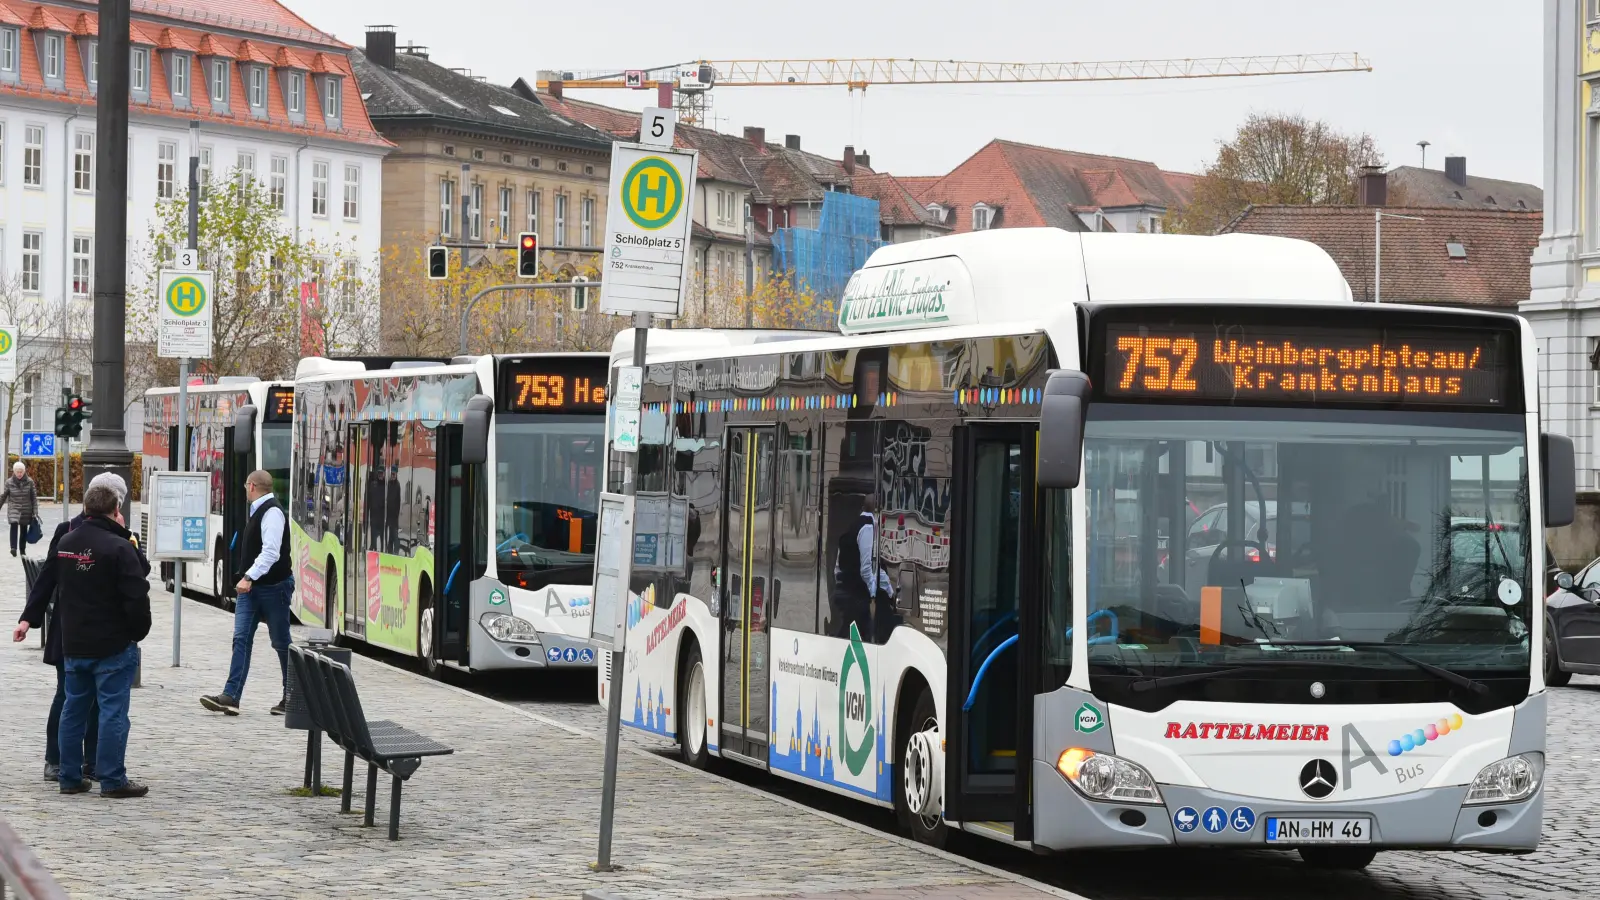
1344	365
280	405
553	385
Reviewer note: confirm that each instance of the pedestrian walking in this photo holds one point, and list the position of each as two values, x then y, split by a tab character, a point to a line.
23	495
105	613
42	605
264	592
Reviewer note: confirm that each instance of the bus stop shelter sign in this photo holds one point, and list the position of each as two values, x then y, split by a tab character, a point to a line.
183	322
648	216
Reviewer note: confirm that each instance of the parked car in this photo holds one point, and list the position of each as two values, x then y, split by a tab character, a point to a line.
1572	626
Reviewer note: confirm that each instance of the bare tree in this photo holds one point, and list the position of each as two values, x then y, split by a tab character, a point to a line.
37	325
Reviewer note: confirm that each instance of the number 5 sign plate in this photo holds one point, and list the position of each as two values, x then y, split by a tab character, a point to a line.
647	229
183	318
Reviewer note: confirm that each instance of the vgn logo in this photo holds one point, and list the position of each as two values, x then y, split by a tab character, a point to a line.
186	296
857	735
1089	719
652	193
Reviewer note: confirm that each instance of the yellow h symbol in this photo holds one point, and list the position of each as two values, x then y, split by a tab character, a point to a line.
653	189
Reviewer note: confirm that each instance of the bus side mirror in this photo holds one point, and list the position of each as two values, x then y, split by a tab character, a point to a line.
1560	470
475	431
1061	429
244	430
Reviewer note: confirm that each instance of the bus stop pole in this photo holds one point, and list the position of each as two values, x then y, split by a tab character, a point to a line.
608	788
183	391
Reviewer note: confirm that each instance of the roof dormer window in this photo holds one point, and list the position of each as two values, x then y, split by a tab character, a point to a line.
139	60
8	49
981	217
180	76
91	63
332	95
296	96
219	81
52	56
936	211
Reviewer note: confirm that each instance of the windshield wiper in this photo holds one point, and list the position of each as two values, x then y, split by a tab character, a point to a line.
1455	678
1151	684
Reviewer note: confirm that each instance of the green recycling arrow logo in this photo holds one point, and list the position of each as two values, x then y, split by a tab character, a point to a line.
856	706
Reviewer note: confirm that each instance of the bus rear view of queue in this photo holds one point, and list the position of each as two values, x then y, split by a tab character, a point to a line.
1096	541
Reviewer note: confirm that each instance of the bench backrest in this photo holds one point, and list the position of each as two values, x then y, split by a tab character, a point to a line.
308	680
347	704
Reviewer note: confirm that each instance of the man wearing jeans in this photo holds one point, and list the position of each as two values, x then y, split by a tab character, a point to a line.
105	613
264	593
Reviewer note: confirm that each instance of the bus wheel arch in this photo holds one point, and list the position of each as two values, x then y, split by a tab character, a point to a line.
426	651
918	760
693	731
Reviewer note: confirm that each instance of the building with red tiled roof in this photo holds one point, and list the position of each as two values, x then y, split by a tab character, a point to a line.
270	95
903	215
1012	185
1452	257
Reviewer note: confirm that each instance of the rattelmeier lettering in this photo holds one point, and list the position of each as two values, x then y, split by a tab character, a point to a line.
1244	731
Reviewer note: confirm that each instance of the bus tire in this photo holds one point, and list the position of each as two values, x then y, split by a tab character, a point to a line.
692	743
930	830
220	588
1554	675
426	651
329	620
1346	859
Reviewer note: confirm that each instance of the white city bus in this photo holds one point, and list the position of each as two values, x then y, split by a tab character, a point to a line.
213	411
1165	527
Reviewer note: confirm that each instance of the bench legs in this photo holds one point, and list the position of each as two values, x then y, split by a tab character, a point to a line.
349	775
394	810
372	790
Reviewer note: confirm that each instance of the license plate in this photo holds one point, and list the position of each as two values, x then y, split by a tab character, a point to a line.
1319	831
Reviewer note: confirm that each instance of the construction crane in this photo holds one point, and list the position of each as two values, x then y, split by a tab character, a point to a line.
691	82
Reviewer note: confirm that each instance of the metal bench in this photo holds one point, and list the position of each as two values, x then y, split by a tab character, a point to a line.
335	707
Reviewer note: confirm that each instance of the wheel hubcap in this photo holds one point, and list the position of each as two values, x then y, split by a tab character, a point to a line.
425	636
695	726
920	774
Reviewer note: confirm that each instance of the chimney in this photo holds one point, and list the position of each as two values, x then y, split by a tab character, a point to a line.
1373	187
757	136
1455	169
664	93
791	141
554	88
863	160
849	160
380	45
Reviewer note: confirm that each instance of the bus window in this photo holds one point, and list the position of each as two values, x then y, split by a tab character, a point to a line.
547	498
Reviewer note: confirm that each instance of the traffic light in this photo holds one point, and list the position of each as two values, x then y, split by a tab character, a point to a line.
580	295
438	263
61	421
528	255
77	411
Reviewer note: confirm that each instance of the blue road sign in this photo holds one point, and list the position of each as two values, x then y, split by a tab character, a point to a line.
38	444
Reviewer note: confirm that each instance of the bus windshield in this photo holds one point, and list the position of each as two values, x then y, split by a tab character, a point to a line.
1218	538
547	497
277	447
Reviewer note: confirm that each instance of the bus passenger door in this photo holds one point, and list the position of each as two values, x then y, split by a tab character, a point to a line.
452	536
358	470
747	590
989	703
229	545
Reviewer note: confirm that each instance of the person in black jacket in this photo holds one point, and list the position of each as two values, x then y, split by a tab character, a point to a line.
41	606
105	613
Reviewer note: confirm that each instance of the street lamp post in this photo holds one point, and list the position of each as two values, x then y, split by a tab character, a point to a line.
1378	216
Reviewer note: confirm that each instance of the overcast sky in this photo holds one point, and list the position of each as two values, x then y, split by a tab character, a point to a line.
1464	75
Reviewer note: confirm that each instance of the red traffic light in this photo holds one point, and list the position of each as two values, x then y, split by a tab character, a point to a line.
75	404
529	242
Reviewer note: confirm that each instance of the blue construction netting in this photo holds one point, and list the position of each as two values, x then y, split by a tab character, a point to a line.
821	259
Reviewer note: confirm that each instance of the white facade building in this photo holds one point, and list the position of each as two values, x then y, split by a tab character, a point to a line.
271	96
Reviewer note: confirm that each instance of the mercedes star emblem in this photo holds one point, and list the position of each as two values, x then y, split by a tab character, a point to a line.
1317	690
1318	778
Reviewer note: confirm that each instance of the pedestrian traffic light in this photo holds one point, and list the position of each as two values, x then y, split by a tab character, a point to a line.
438	263
528	255
580	295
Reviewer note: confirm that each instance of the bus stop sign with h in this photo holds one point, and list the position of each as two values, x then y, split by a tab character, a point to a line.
183	330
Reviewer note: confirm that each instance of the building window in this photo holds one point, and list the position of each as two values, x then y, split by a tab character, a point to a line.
82	265
278	189
83	162
247	173
2	152
140	57
93	59
258	87
297	87
30	401
32	262
505	211
561	220
980	217
350	280
205	169
533	211
8	49
477	212
33	156
52	56
352	192
447	202
219	81
587	221
332	88
180	75
319	189
166	168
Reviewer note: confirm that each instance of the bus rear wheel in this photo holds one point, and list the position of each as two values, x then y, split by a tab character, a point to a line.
1348	859
926	828
691	709
425	649
220	588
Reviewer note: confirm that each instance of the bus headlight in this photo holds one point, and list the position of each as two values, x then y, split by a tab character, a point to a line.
509	629
1511	779
1101	776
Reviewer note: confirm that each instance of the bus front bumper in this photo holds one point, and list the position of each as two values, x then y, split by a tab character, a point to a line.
1427	819
550	651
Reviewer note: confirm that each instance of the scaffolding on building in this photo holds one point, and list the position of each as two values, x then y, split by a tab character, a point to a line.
821	259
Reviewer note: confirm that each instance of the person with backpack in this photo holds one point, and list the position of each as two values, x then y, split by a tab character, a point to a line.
23	495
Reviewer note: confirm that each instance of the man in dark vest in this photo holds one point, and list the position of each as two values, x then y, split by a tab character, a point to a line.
264	592
857	580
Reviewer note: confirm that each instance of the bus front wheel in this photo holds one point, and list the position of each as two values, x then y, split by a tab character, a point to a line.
926	828
425	649
691	708
219	581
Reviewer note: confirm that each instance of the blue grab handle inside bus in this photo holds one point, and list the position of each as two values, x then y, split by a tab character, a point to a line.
978	644
452	579
972	695
234	542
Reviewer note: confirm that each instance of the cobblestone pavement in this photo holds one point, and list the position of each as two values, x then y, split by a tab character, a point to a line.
512	815
1567	863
